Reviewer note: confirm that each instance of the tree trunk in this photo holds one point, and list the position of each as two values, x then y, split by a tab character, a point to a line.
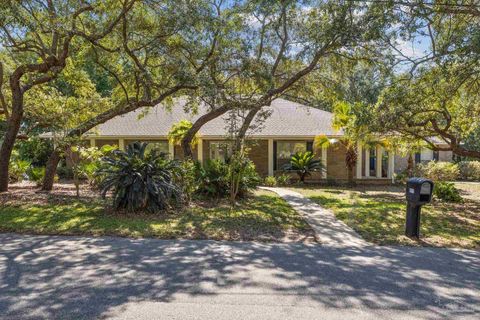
302	177
13	126
51	170
244	128
410	165
187	140
350	161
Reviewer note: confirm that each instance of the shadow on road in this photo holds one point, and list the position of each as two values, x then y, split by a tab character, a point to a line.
76	277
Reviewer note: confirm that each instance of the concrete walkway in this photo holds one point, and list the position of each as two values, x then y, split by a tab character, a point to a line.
329	230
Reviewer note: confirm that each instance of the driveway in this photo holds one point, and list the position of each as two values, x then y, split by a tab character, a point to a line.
115	278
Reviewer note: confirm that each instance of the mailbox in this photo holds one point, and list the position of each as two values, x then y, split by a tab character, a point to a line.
419	192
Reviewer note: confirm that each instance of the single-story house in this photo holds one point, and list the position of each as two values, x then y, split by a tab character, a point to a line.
291	127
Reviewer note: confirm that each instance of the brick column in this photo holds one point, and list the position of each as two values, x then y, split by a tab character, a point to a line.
200	150
324	161
391	164
359	161
121	144
171	150
367	162
379	161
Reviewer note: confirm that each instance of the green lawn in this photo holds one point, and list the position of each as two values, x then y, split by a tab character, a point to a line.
262	217
378	215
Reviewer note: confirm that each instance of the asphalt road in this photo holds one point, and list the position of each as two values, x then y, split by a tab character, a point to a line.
44	277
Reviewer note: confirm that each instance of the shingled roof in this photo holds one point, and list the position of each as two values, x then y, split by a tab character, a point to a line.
287	119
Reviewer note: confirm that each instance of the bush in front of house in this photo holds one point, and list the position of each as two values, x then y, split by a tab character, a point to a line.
447	192
283	179
186	177
17	168
36	174
215	177
469	170
270	181
304	164
140	181
437	171
212	177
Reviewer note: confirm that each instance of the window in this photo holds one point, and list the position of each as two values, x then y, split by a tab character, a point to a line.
284	150
373	162
159	146
426	155
220	150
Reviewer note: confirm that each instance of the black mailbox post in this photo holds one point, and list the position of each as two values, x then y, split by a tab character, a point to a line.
419	192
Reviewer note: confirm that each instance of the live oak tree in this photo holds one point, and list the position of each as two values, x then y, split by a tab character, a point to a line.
435	106
158	52
282	43
37	37
436	96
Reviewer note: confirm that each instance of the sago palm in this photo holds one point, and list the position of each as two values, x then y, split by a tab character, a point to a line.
303	163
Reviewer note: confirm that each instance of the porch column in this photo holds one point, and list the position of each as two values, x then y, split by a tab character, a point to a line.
391	164
270	157
200	150
367	162
121	144
92	142
359	161
171	150
379	161
324	162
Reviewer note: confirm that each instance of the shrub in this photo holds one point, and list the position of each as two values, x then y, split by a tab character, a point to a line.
215	178
85	164
303	163
283	179
437	171
36	174
35	150
140	181
401	177
446	191
242	176
65	172
212	178
17	168
270	181
469	170
186	177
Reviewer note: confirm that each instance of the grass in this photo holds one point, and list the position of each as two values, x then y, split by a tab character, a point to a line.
262	217
378	215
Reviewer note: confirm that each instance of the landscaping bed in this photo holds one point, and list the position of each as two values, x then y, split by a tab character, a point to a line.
263	216
377	213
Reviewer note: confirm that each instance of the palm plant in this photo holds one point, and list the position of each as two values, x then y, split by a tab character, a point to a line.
303	163
178	131
140	180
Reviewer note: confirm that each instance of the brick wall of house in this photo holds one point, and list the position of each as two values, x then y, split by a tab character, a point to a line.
259	155
336	168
